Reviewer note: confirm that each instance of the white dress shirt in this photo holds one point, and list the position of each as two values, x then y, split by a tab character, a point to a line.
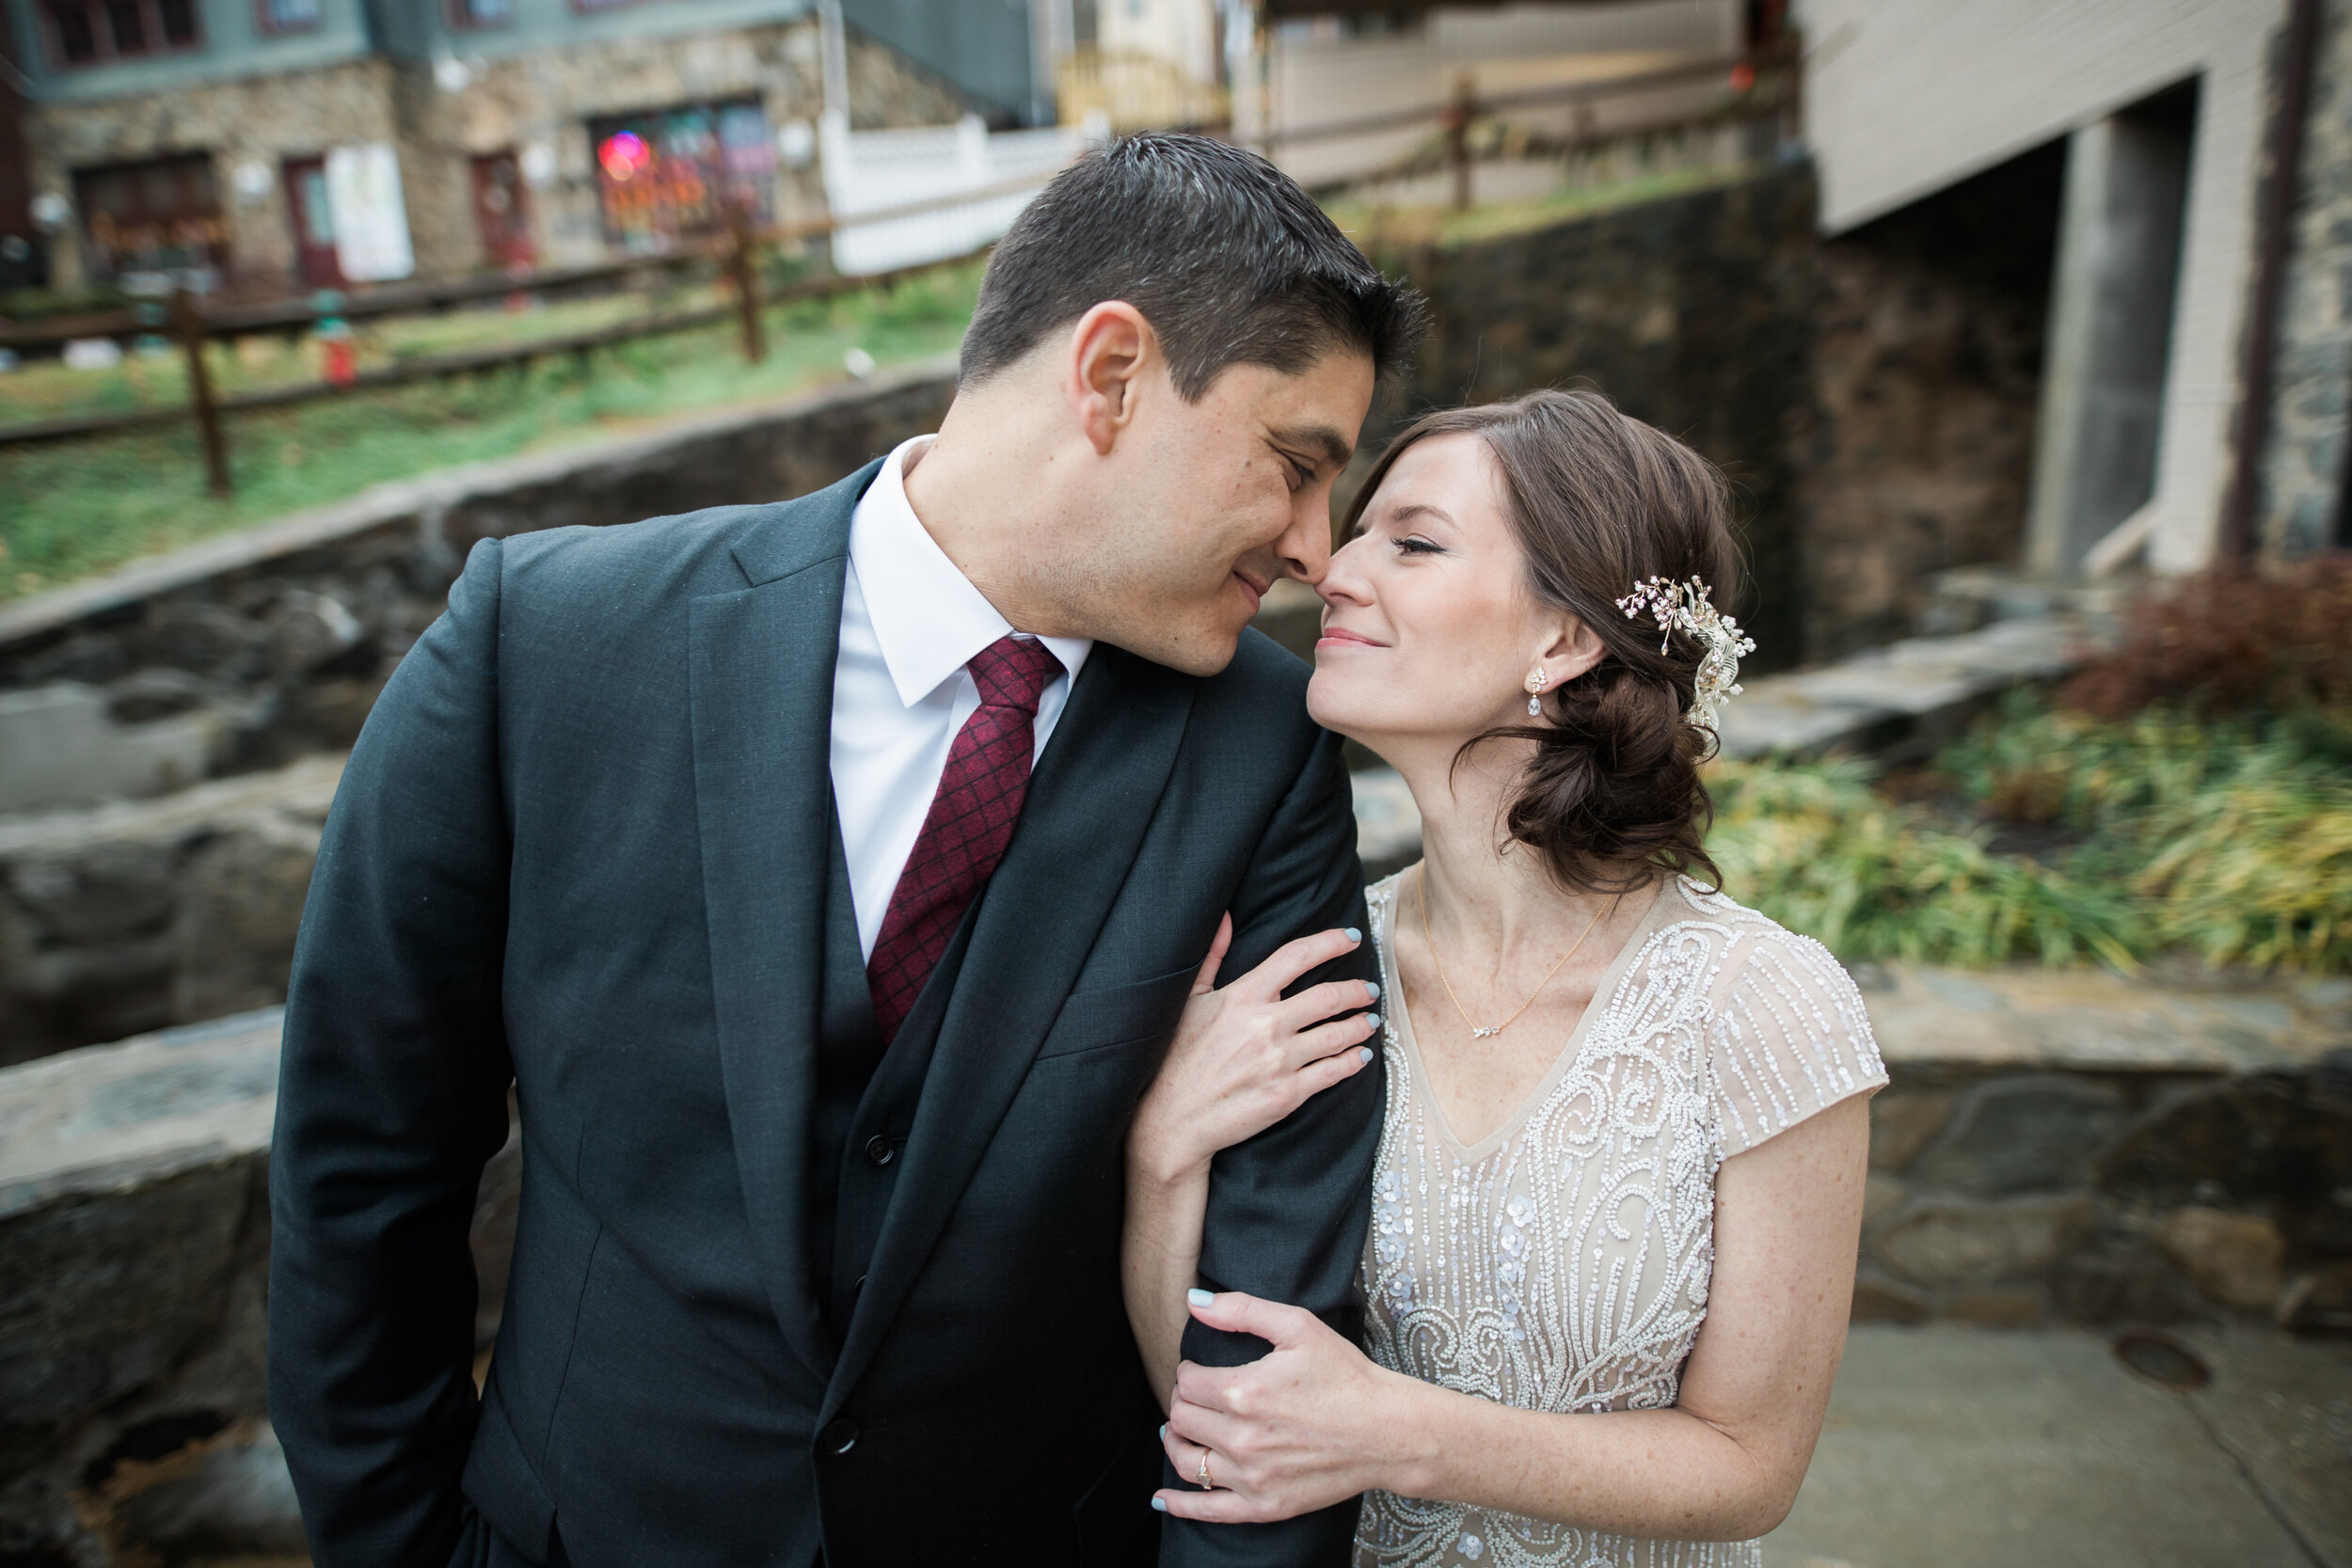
910	620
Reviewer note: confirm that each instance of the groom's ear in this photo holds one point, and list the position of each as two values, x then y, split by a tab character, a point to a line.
1112	349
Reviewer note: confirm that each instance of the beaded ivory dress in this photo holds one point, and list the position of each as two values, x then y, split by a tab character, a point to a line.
1562	1262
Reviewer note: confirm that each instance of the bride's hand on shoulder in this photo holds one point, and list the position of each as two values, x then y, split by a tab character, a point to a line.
1245	1056
1309	1424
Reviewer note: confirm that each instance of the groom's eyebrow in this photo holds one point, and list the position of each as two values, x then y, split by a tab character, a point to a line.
1335	448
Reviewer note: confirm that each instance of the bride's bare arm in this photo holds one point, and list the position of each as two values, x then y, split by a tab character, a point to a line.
1243	1057
1324	1422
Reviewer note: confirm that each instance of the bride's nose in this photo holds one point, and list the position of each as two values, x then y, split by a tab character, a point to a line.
1343	583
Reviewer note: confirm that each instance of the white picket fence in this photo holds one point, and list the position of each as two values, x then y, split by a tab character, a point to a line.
869	171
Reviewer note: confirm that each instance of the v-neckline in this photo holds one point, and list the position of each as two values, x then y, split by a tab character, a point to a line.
1603	994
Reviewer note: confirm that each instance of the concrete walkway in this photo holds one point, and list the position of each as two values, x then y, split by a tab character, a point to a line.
1950	1447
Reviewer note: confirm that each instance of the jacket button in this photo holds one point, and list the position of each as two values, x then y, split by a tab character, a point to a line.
839	1436
881	1150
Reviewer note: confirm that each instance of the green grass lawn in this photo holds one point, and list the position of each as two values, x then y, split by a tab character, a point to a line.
76	508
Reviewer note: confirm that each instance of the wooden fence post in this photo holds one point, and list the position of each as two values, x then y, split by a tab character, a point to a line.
189	319
744	264
1457	121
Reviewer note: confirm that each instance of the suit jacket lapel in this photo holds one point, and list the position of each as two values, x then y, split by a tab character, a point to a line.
1088	807
761	686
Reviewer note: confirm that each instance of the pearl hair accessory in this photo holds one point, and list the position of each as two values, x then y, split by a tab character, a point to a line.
1685	607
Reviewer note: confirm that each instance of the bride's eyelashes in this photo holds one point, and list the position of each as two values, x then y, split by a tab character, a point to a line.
1415	545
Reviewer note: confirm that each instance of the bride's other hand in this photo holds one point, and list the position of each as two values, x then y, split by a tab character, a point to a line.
1246	1056
1306	1426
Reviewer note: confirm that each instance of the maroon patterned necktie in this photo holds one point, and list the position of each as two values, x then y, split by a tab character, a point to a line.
970	822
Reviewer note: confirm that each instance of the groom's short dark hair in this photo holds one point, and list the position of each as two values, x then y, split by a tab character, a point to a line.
1226	257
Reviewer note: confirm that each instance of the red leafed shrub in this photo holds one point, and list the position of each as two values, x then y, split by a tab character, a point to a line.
2232	639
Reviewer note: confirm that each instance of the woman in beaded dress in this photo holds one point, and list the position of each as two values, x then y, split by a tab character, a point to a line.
1613	1220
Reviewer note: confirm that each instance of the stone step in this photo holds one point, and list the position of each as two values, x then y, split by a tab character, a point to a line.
1905	700
124	917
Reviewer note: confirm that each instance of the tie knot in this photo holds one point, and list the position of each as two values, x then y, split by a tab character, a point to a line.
1014	672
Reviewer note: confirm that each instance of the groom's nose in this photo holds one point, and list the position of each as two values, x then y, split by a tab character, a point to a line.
1306	546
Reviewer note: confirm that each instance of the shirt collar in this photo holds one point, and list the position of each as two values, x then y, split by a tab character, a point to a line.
927	616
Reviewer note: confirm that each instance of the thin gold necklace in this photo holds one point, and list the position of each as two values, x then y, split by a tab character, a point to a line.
1421	888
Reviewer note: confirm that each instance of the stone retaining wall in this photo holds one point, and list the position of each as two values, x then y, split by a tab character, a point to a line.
122	918
134	1277
2102	1149
1695	312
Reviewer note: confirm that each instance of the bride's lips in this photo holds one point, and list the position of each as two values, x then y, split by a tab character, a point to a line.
1340	637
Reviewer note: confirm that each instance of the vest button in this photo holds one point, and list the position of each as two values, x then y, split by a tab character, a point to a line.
881	1150
839	1436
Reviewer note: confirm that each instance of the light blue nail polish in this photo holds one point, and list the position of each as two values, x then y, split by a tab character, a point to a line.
1373	1019
1354	935
1163	1431
1201	1298
1160	1504
1374	987
1363	1053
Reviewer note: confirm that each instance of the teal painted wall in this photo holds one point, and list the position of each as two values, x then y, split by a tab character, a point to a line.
233	45
980	45
422	27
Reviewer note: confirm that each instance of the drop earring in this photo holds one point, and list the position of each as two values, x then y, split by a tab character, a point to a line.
1535	684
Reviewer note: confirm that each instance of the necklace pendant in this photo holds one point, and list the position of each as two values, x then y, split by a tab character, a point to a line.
1478	1034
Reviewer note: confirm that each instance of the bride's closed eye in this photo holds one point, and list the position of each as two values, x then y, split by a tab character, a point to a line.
1415	545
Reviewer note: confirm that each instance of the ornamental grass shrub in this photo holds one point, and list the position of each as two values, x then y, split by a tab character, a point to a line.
2229	839
1817	847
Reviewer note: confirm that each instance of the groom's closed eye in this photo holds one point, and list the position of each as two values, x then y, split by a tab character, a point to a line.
1312	445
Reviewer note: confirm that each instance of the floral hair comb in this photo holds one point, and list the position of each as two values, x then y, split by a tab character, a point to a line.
1685	607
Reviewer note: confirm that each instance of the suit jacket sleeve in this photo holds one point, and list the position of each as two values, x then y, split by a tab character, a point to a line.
1288	1208
391	1096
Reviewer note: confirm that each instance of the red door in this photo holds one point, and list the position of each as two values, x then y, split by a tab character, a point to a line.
314	223
500	211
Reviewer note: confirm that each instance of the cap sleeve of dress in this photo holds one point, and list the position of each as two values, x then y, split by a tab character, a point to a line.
1791	1037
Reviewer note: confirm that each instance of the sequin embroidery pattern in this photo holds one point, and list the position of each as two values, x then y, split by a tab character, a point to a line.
1562	1263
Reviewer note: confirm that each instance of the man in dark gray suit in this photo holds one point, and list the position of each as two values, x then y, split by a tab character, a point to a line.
827	878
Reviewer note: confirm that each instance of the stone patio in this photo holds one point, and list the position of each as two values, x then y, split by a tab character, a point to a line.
1950	1447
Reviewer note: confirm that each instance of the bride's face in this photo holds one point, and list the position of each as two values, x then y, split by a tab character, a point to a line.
1429	630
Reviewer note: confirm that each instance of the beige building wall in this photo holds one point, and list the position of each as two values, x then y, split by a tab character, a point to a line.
1181	32
1904	97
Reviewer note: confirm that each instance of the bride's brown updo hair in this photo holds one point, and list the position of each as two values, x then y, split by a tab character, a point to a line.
1601	501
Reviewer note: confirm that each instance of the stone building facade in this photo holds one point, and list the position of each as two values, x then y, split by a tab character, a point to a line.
2304	504
494	126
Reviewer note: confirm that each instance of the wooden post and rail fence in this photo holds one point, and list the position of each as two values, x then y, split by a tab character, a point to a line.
737	256
736	253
